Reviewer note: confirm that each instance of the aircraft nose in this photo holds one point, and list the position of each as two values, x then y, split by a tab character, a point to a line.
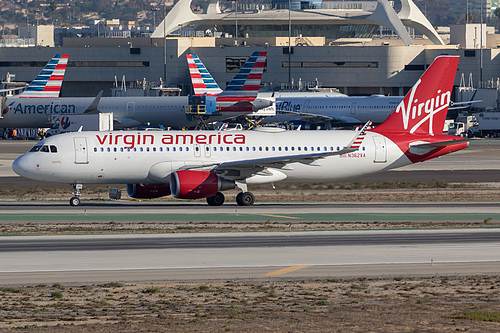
20	165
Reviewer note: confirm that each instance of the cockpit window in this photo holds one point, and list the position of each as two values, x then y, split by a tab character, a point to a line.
53	149
36	148
45	149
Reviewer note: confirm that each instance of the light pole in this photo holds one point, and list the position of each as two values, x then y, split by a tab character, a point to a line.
165	46
289	43
154	9
481	48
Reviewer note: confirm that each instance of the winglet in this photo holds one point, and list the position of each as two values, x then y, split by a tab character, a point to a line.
356	141
93	107
49	81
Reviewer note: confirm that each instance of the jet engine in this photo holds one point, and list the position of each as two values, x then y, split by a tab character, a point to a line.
148	191
189	184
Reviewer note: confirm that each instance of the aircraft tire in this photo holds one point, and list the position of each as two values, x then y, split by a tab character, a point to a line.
75	201
245	199
216	200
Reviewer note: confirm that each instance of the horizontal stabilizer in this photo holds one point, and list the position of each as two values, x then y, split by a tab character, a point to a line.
438	144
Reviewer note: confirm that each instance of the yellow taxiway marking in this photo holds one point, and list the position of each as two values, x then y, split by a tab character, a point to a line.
285	217
286	270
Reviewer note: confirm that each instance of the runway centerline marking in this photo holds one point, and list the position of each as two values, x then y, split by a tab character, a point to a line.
283	216
286	270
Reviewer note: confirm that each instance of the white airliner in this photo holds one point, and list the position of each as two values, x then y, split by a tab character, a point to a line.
39	103
313	107
201	164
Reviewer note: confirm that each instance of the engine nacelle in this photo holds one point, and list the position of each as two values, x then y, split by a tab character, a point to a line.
148	191
188	184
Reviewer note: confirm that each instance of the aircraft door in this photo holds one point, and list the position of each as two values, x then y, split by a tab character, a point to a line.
380	149
3	99
354	107
130	109
306	105
81	154
208	151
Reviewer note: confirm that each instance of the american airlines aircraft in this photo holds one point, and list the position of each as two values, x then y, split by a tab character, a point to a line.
312	107
201	164
37	105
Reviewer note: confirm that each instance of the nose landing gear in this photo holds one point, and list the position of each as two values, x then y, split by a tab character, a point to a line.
75	200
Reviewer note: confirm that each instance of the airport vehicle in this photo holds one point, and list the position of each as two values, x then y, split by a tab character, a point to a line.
484	124
81	122
462	126
36	106
202	164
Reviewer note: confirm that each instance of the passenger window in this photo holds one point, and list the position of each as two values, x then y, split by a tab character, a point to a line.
95	149
114	149
121	149
53	149
108	149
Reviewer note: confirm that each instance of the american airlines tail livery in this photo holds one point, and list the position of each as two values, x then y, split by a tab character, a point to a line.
202	164
39	103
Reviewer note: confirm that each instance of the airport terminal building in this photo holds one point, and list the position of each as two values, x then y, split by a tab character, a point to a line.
343	48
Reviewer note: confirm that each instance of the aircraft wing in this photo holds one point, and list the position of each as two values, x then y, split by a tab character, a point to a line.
316	117
245	168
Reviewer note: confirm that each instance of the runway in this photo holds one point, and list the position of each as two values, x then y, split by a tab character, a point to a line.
248	255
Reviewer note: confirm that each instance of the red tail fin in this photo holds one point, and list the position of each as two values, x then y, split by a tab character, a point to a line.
424	108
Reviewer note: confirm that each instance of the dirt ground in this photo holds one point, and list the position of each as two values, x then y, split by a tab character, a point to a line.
397	304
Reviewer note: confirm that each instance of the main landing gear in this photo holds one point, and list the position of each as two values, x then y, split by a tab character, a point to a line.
242	199
75	200
245	199
216	200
